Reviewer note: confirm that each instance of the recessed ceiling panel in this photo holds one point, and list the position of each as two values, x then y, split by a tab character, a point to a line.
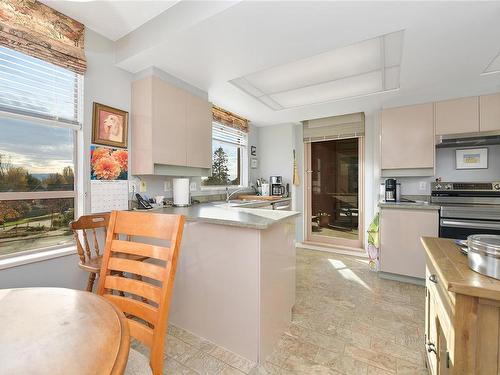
362	68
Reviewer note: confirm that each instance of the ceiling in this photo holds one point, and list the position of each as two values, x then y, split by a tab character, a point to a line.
112	19
446	46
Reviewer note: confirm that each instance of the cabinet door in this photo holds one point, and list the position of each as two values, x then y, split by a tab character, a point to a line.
169	124
431	334
457	116
401	251
199	132
444	364
407	137
489	106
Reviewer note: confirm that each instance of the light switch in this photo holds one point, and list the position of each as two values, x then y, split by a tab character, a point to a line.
423	185
192	186
167	185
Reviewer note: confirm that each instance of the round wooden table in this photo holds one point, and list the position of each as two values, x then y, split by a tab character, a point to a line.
61	331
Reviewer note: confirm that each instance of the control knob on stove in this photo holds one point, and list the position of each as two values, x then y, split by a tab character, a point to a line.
496	186
448	186
438	187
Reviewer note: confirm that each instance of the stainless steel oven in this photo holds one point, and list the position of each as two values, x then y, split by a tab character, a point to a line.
467	208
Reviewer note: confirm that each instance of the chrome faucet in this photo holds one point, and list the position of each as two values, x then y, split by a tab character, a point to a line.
229	195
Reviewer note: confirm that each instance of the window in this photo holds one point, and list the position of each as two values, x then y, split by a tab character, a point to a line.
40	117
229	153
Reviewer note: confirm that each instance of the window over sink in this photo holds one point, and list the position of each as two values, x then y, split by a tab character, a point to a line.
40	121
229	157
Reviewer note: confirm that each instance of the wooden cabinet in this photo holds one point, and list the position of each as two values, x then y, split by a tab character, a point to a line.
489	112
199	132
170	127
462	320
457	116
407	137
400	231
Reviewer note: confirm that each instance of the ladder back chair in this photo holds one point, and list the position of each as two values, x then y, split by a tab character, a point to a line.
146	302
90	255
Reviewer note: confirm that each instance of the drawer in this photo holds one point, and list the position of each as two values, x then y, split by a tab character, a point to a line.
444	301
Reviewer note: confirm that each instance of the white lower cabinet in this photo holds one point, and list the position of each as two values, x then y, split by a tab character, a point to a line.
401	251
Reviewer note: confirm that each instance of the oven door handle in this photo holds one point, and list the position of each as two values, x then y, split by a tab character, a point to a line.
470	224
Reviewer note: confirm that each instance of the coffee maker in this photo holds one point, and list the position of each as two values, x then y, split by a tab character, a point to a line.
390	190
276	185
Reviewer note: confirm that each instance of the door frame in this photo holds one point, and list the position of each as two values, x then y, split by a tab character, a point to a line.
326	240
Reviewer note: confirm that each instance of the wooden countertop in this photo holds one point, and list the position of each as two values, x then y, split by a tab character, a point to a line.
454	273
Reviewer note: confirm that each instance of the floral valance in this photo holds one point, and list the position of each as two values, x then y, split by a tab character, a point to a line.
33	28
229	119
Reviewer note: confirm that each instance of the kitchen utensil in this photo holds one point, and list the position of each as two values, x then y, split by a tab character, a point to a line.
484	254
296	179
159	199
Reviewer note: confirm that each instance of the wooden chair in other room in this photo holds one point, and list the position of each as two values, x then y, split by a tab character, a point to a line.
147	320
90	261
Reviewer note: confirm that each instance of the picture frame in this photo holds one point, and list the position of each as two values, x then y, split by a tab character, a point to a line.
254	163
253	150
109	126
471	158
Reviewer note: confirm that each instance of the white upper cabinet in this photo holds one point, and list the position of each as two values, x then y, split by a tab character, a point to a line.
407	137
489	113
457	116
170	127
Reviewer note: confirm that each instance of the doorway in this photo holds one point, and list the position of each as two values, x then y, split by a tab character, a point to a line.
334	192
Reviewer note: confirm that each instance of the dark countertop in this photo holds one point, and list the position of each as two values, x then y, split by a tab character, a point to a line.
246	216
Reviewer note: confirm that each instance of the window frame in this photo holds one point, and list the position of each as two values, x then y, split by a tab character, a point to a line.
243	165
78	204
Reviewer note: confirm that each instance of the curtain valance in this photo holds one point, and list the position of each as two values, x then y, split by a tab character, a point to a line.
33	28
336	127
229	119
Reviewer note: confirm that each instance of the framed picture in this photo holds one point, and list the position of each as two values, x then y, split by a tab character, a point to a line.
253	150
109	126
472	158
254	163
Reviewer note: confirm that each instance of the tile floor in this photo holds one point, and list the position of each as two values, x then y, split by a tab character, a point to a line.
346	321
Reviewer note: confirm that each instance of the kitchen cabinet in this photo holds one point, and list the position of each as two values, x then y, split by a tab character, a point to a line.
489	113
400	231
407	137
462	321
457	116
170	127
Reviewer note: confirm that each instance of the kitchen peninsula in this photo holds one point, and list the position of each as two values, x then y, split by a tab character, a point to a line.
235	282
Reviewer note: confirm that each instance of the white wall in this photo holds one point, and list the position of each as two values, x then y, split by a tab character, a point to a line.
106	84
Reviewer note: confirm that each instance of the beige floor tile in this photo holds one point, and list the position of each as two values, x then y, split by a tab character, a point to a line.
232	359
172	367
204	363
373	358
341	362
302	366
377	371
178	349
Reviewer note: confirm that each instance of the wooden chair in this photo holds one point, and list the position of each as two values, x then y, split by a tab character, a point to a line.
90	261
147	321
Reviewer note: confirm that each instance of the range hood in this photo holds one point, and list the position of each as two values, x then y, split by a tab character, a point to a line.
469	140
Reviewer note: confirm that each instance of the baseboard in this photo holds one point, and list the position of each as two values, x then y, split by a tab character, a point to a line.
401	278
343	250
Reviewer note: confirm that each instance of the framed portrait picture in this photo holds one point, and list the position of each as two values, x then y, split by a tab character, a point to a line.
109	126
472	158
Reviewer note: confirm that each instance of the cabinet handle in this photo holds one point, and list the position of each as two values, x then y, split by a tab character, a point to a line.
433	278
431	348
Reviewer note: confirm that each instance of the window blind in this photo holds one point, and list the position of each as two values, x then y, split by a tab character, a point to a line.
33	87
227	134
336	127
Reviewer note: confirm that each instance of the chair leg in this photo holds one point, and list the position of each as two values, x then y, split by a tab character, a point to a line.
90	283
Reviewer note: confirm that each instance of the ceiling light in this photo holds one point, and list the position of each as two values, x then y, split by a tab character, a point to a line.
362	68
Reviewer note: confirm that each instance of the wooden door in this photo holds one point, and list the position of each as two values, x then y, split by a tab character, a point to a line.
489	107
457	116
199	132
407	137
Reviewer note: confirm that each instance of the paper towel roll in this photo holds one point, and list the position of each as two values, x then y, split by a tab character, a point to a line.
181	191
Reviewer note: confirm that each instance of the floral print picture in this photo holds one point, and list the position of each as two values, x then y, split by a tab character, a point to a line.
108	163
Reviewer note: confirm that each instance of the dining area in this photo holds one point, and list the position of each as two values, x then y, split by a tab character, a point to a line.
131	260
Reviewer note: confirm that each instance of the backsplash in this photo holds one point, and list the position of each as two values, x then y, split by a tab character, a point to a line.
445	168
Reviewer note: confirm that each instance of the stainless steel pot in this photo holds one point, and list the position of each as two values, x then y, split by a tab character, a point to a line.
484	254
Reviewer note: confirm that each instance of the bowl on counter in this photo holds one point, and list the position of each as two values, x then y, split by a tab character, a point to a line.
484	254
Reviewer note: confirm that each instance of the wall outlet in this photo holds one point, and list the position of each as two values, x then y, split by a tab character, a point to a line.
132	187
167	185
143	187
192	186
422	185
